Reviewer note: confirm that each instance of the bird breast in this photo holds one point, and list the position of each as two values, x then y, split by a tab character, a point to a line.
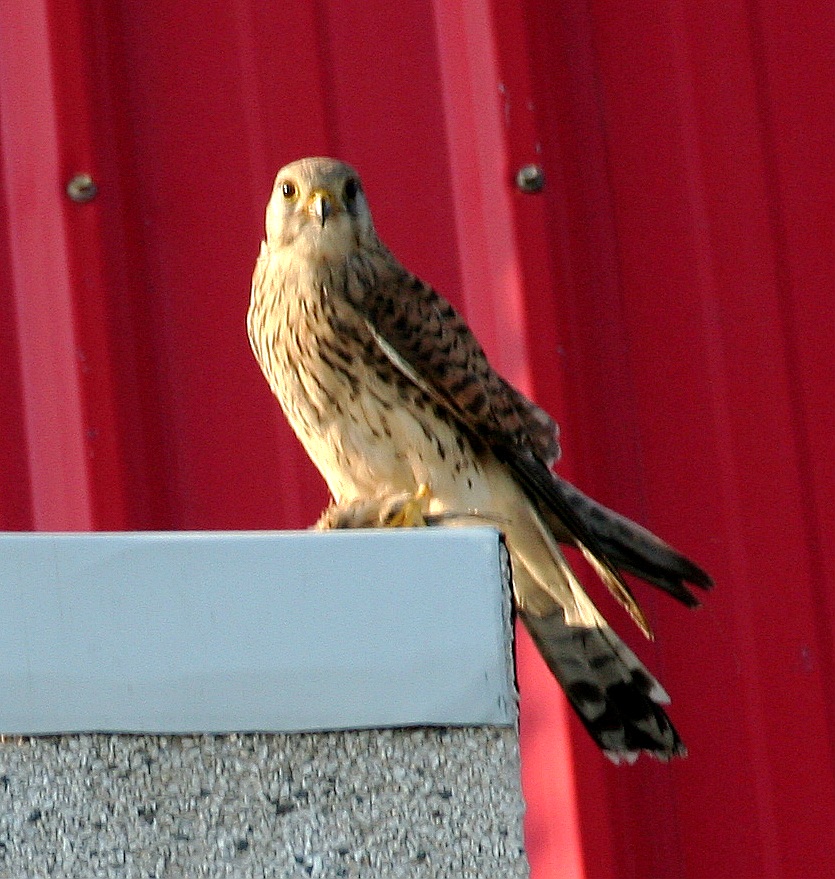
369	430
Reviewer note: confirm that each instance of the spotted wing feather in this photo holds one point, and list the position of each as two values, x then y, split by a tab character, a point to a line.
425	337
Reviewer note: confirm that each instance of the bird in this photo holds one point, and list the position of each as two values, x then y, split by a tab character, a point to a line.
397	405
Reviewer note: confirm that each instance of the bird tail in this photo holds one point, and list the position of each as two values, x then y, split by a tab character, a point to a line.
619	702
616	698
629	547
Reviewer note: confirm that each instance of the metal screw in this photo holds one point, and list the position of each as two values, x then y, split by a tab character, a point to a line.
82	188
530	178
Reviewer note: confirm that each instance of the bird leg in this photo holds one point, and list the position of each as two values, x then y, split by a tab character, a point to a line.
405	510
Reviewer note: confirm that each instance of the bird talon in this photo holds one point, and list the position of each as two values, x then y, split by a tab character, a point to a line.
409	511
399	511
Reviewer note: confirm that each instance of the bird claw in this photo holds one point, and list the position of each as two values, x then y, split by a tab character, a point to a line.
406	510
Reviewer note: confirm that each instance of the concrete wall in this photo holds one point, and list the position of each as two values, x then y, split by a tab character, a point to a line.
376	803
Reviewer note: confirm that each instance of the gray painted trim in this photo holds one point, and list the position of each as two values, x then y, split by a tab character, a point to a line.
253	631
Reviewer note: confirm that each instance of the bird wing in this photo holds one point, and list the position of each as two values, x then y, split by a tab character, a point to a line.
427	340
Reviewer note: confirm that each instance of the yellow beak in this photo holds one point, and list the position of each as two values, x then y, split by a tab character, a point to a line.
321	205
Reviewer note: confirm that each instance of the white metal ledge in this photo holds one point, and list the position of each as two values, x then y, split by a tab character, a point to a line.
253	631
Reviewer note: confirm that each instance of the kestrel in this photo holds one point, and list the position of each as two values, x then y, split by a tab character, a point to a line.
398	407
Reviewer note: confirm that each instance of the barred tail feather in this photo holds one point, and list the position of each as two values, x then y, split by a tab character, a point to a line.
616	698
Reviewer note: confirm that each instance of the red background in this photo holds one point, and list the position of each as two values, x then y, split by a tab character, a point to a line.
669	298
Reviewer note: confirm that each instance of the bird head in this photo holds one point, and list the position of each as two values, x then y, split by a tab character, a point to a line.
318	208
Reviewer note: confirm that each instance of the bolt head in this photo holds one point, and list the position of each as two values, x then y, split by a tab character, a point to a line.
82	188
530	178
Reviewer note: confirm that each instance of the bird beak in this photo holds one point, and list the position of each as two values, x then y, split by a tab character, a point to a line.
321	205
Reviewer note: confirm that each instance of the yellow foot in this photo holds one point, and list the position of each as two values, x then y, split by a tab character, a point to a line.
399	511
407	511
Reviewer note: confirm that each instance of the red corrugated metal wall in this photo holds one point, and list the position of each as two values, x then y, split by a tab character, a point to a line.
690	219
669	297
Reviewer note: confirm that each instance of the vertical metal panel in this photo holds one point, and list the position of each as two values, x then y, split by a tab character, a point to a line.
39	276
202	140
16	509
668	298
480	92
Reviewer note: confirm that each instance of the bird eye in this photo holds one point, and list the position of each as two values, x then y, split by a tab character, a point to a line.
288	189
352	187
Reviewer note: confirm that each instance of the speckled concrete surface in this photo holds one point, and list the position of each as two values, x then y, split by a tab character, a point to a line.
394	803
